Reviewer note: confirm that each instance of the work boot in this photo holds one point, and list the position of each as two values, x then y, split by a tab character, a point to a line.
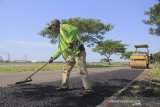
62	89
88	92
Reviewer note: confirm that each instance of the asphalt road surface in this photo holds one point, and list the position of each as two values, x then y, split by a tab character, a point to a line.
41	92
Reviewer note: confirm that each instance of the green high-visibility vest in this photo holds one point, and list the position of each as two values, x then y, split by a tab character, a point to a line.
68	34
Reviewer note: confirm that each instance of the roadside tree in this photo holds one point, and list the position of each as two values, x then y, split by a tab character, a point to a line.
90	30
154	19
126	55
157	57
109	47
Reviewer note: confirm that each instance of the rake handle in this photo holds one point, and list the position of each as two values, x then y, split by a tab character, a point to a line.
37	71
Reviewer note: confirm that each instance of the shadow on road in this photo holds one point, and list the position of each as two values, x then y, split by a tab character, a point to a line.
45	95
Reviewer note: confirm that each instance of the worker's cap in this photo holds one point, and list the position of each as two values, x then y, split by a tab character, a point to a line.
53	22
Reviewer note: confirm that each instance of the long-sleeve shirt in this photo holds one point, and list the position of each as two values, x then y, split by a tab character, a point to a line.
68	35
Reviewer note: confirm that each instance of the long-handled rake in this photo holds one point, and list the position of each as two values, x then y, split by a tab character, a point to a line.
29	79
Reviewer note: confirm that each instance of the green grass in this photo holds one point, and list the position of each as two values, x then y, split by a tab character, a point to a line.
105	64
156	74
148	85
21	67
29	67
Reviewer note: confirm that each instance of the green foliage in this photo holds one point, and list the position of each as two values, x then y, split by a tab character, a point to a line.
90	30
47	33
109	47
154	19
126	55
105	60
157	57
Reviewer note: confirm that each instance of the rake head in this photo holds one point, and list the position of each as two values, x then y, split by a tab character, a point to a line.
21	82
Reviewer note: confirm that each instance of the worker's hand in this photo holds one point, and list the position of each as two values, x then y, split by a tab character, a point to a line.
70	46
50	60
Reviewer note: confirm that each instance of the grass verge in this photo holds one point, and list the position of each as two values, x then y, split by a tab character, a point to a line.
148	84
29	67
21	67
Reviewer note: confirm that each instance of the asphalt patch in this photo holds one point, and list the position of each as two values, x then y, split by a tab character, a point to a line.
45	95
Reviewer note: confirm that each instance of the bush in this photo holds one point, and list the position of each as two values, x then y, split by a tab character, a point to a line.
157	57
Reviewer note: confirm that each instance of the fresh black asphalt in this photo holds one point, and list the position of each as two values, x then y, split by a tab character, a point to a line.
105	84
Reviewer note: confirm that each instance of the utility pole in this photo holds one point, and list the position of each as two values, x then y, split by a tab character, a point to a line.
25	58
9	57
1	60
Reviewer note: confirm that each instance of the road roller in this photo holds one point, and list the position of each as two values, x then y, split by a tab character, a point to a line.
140	59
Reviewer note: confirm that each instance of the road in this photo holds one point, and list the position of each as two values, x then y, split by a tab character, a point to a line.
41	92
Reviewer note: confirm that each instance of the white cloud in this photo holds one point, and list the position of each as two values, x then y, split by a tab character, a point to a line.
33	44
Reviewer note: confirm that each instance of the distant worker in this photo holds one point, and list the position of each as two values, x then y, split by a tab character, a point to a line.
73	51
152	59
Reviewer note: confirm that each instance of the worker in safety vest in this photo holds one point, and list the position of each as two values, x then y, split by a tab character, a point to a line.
72	49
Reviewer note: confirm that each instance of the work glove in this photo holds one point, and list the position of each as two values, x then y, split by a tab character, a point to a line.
70	46
50	60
